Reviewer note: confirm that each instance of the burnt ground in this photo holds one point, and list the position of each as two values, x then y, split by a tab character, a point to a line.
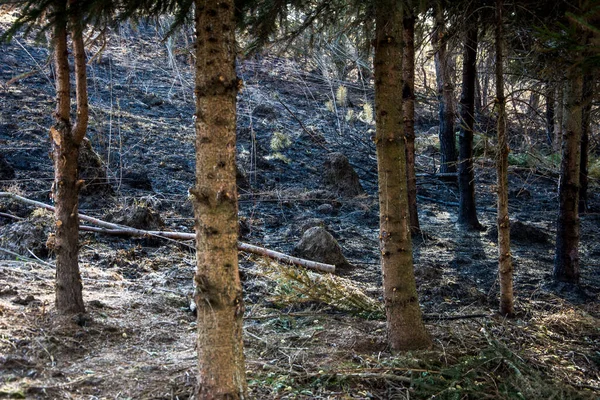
138	340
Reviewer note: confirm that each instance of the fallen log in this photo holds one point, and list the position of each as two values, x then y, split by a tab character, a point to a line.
115	229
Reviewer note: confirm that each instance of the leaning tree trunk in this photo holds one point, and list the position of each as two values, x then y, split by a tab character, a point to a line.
588	95
218	295
467	212
445	86
505	266
405	326
566	261
66	140
408	97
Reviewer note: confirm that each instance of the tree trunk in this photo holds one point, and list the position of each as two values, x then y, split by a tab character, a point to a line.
487	74
566	261
559	110
364	48
66	141
467	212
445	86
218	294
588	95
405	326
534	99
408	98
505	266
478	96
550	100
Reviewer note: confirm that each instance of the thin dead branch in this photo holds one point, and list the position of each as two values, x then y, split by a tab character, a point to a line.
116	229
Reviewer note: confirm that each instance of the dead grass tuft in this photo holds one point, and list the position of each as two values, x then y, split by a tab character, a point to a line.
296	285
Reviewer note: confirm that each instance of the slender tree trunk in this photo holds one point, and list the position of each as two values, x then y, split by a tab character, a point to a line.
445	86
478	96
534	98
365	48
566	261
467	212
405	326
559	111
66	141
505	266
550	102
588	95
218	295
486	81
408	97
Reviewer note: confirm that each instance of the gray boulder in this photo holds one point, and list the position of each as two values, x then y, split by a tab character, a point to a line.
318	245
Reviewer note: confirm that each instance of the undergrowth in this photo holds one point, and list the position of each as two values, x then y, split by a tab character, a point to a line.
297	285
493	372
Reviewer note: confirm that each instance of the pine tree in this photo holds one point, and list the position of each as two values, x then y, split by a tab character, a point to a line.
405	326
444	69
218	295
505	265
63	18
66	140
408	98
467	212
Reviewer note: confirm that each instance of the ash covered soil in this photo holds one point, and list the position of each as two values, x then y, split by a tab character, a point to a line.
138	340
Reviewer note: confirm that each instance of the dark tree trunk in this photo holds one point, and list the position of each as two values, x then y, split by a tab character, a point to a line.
505	266
566	262
445	86
550	102
405	326
487	74
408	97
365	48
218	295
534	99
467	213
588	95
66	140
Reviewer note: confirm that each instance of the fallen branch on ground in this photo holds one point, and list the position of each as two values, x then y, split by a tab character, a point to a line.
116	229
437	317
440	175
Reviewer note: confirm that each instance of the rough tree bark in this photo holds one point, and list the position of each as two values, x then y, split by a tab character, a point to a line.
405	326
218	294
66	140
408	97
467	212
566	261
505	266
447	109
588	95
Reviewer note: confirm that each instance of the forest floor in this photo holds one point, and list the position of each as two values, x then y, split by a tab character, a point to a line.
138	339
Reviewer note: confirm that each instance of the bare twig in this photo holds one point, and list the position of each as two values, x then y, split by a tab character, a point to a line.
10	216
316	140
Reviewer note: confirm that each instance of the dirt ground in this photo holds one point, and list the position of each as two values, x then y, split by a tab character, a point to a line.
137	341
